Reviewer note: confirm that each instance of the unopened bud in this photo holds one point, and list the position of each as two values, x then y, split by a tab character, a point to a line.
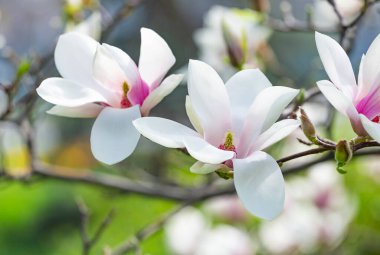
307	126
343	154
225	173
236	49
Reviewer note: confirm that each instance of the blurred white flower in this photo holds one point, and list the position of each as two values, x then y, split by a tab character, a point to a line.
324	16
317	213
92	26
225	240
15	157
185	230
226	208
190	233
244	34
317	111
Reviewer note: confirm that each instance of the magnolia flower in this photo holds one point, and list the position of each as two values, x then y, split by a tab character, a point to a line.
360	103
233	123
102	81
231	34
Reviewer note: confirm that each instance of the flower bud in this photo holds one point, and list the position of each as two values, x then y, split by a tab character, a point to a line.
343	154
307	126
236	50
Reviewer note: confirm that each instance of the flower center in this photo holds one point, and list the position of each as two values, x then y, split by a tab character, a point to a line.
228	143
125	103
228	146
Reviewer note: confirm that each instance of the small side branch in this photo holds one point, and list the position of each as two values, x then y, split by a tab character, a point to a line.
133	242
87	241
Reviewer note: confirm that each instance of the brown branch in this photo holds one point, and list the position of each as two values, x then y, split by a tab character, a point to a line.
302	154
126	185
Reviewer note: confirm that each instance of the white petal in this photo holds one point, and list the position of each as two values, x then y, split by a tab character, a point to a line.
83	111
363	88
242	89
372	128
260	185
264	111
126	63
275	133
165	88
210	101
162	131
107	71
67	93
74	56
156	58
113	136
204	168
337	64
371	68
193	116
201	150
340	101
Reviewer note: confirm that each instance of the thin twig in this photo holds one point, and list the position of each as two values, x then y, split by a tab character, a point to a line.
302	154
87	241
133	242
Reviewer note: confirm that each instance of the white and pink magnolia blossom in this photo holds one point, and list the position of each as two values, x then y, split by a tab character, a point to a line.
102	81
234	123
360	101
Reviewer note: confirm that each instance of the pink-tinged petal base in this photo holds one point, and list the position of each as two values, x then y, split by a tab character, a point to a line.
156	95
370	105
138	93
343	104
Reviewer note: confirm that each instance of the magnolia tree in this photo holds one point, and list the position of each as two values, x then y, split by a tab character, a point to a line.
237	125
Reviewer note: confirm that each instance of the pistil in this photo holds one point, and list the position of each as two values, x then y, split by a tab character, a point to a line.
124	101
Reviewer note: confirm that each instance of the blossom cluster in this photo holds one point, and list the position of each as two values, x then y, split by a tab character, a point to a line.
233	122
